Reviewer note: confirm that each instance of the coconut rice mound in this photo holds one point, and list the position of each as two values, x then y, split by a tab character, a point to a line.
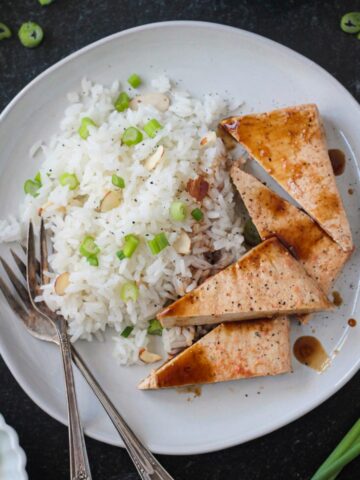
92	301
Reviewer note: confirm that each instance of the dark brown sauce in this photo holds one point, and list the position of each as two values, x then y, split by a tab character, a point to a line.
352	322
309	351
337	158
337	298
350	191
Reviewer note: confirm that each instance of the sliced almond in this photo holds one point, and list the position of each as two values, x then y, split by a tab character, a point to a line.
158	100
148	357
183	244
61	283
209	140
110	201
155	158
46	206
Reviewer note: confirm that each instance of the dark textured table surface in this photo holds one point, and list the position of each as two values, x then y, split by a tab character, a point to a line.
308	26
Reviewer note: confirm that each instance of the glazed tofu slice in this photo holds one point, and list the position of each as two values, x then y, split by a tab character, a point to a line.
231	351
290	145
321	257
265	282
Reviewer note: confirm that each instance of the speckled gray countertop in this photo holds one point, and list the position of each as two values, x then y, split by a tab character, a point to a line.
309	27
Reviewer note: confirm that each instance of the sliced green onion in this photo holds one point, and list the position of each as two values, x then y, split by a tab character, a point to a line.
251	234
31	187
37	177
30	34
162	241
197	214
134	80
120	255
69	180
45	2
154	247
118	181
155	327
178	211
93	260
130	245
350	22
126	332
83	129
88	247
158	243
122	102
131	136
5	31
152	127
129	291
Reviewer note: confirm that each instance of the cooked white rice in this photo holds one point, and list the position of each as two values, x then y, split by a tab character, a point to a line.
92	301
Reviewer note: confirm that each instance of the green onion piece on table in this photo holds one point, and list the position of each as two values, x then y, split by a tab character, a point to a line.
134	80
83	129
93	260
5	31
69	180
350	22
122	102
178	211
130	245
88	247
126	332
45	2
251	234
131	136
343	454
30	34
118	181
129	291
152	127
197	214
155	327
31	187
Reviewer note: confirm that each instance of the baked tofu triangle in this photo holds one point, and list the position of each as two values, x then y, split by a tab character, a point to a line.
230	351
290	145
321	257
265	282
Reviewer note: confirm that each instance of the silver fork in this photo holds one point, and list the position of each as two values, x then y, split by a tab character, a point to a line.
38	326
79	462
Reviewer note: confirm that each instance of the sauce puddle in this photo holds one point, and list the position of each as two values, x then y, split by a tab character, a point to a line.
337	299
352	322
337	158
310	352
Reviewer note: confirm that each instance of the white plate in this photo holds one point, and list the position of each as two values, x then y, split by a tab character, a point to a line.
205	58
12	456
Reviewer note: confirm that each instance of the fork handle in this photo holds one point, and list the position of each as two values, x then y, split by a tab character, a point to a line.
79	463
147	465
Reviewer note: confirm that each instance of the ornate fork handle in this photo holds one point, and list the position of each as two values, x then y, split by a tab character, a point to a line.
79	463
147	465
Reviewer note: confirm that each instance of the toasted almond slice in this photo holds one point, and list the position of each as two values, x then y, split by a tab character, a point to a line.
110	201
183	244
158	100
209	140
61	283
155	158
148	357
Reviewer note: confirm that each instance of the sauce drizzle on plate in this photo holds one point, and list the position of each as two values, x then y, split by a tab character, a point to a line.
309	351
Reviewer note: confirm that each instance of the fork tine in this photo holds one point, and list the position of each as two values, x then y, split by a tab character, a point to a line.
31	264
19	287
24	249
44	266
13	303
20	264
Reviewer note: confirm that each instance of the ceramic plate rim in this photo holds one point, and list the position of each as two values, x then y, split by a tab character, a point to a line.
258	432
